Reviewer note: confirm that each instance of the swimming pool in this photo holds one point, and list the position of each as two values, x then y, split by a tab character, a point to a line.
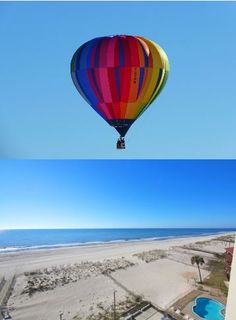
208	309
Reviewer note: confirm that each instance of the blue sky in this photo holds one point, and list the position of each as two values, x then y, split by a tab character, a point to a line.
43	116
77	194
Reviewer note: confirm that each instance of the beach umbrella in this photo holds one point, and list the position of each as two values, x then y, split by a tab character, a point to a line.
120	76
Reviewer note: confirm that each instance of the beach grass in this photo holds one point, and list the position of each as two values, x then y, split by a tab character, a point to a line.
217	276
216	280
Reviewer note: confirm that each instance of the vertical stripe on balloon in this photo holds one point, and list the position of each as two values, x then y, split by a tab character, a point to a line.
135	75
117	80
105	85
103	53
121	53
145	51
97	55
85	85
116	54
112	82
110	53
140	83
134	52
125	80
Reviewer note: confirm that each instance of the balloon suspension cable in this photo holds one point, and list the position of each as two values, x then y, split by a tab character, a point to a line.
120	143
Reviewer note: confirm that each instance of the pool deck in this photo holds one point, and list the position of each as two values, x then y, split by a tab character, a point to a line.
185	304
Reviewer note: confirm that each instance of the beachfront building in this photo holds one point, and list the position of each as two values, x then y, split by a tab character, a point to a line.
228	260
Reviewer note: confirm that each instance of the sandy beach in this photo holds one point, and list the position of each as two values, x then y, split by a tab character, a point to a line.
80	281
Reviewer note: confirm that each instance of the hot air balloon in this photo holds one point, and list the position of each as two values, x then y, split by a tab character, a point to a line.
120	76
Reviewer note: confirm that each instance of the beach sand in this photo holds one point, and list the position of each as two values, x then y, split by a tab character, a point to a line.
80	281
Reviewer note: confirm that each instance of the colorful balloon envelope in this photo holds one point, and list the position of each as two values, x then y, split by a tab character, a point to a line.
120	76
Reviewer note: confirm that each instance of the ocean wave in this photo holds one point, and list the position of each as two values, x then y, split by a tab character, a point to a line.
77	244
14	249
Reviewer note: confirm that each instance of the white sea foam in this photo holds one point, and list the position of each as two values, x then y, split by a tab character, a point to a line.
89	243
15	249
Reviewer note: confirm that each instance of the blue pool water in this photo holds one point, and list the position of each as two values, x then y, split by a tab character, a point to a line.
208	309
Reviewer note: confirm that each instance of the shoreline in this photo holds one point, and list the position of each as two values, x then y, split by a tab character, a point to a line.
15	250
21	261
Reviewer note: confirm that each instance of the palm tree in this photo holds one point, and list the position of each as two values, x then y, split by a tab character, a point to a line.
199	261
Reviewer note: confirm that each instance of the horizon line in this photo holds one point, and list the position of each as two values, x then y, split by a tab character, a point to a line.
112	228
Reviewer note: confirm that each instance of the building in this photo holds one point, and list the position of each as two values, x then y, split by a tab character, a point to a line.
228	261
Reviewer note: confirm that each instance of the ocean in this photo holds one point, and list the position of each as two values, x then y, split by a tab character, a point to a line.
19	240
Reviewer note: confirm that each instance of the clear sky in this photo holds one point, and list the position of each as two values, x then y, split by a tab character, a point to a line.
50	194
43	116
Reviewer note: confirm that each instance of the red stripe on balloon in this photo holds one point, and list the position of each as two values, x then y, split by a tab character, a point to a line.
113	87
123	108
125	75
127	52
103	53
102	107
116	107
105	86
133	44
110	53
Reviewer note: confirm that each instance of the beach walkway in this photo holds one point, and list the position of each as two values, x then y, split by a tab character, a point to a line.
6	288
